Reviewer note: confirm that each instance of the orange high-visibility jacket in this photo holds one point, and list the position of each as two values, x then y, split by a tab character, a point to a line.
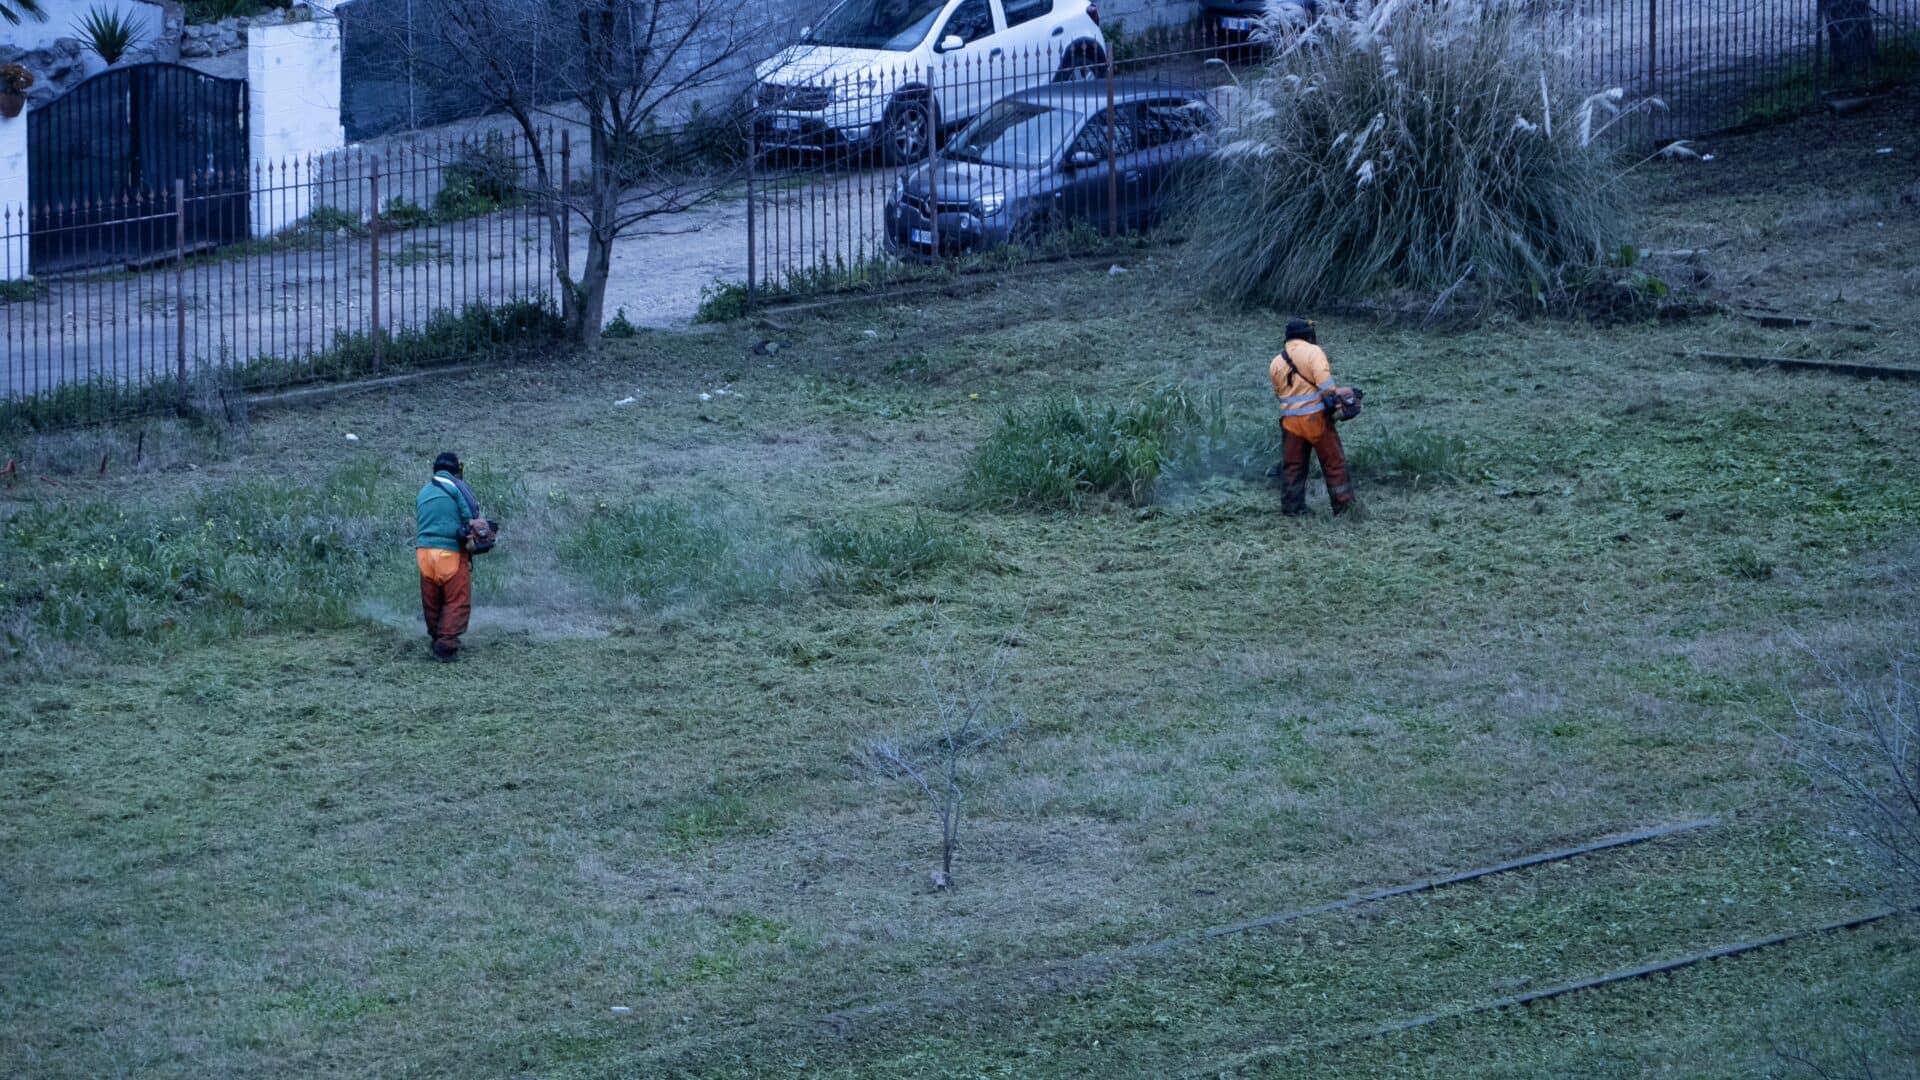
1300	404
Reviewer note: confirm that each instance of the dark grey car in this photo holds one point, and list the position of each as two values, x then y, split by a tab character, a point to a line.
1038	161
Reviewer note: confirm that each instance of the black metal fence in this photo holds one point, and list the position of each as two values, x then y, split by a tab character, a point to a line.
366	261
1087	139
353	263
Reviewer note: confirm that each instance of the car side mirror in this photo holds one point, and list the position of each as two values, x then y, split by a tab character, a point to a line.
1082	159
950	43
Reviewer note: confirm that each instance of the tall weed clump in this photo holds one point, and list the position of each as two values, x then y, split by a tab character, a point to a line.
237	559
668	553
1062	450
1408	144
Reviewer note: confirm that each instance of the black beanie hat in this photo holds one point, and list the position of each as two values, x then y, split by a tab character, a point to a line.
447	462
1299	329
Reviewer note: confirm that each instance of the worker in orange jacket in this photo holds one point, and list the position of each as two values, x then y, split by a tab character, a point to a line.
1303	380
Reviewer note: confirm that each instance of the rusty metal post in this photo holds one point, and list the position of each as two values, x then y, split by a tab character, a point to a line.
1653	47
753	157
1113	170
565	223
180	283
373	254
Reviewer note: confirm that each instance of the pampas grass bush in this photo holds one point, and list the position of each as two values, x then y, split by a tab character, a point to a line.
1408	144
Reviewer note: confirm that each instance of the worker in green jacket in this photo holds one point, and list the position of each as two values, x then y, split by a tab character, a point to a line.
445	504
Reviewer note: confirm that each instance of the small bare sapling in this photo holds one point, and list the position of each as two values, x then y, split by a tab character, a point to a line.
963	718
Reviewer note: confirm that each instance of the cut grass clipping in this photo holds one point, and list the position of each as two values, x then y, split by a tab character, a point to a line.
1414	146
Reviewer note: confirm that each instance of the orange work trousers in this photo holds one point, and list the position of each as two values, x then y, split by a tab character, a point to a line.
446	597
1314	435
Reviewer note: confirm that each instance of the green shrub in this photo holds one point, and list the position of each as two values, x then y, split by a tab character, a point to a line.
1408	458
1410	145
1061	450
881	553
485	178
20	292
331	219
618	327
721	301
665	553
399	213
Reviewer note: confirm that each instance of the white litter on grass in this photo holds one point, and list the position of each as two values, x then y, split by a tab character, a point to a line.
626	401
621	1010
1116	268
1884	150
1706	157
871	333
351	437
704	396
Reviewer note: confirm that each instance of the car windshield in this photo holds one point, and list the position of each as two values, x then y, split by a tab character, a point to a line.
1015	135
894	25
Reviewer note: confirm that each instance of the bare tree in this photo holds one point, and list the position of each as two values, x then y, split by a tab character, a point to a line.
627	71
1866	753
965	718
1849	29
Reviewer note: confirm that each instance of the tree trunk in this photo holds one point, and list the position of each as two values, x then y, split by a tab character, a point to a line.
1849	27
590	292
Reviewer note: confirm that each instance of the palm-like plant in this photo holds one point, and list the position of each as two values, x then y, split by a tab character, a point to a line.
12	11
108	33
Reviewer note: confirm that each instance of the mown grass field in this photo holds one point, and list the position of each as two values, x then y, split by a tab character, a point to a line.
249	829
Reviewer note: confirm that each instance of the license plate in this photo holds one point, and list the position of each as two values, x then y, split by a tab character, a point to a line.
920	236
785	123
1227	22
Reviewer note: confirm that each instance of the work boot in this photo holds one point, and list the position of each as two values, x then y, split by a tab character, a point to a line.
445	651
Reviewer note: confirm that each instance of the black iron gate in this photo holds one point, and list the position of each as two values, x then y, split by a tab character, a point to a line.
102	161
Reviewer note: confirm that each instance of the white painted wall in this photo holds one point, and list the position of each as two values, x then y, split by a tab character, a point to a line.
293	110
63	14
13	197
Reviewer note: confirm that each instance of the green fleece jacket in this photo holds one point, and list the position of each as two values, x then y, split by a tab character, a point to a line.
438	515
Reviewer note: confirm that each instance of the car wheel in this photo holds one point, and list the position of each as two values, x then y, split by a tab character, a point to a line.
906	133
1083	60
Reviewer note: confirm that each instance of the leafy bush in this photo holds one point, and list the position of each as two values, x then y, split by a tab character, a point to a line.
485	178
667	553
1409	458
1061	450
619	327
399	213
1408	147
721	301
879	554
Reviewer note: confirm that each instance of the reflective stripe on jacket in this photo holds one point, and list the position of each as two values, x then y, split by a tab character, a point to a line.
1300	397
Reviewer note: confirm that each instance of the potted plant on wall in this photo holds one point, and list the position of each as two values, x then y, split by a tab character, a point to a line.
14	81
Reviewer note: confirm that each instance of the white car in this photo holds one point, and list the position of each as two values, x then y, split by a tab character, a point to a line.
883	75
